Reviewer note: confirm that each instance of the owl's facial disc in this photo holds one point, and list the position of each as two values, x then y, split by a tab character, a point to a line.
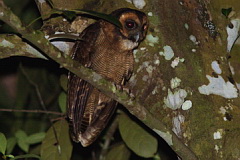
134	25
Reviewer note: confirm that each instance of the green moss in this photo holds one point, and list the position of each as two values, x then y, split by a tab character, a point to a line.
202	148
232	145
219	4
154	20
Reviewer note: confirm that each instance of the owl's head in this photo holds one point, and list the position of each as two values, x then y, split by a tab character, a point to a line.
134	23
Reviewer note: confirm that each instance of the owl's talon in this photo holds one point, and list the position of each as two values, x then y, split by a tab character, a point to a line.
122	88
118	87
126	89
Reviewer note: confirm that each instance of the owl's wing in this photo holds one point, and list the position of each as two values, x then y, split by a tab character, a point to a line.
78	89
78	93
102	114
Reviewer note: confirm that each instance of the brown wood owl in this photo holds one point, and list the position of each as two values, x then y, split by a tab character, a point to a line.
108	50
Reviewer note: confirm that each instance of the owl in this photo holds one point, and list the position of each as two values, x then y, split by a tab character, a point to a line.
108	50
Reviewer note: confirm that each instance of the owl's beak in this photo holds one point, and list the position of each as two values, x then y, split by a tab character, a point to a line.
137	37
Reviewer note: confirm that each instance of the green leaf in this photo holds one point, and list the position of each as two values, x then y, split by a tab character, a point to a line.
50	150
20	134
62	101
118	152
9	156
226	11
36	138
103	16
136	138
70	15
27	156
157	157
23	145
11	143
22	140
3	143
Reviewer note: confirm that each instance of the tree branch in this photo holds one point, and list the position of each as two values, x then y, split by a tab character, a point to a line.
31	111
42	103
12	45
134	107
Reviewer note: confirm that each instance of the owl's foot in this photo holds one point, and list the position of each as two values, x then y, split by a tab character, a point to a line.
124	89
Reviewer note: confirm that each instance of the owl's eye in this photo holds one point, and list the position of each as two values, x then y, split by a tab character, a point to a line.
130	24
